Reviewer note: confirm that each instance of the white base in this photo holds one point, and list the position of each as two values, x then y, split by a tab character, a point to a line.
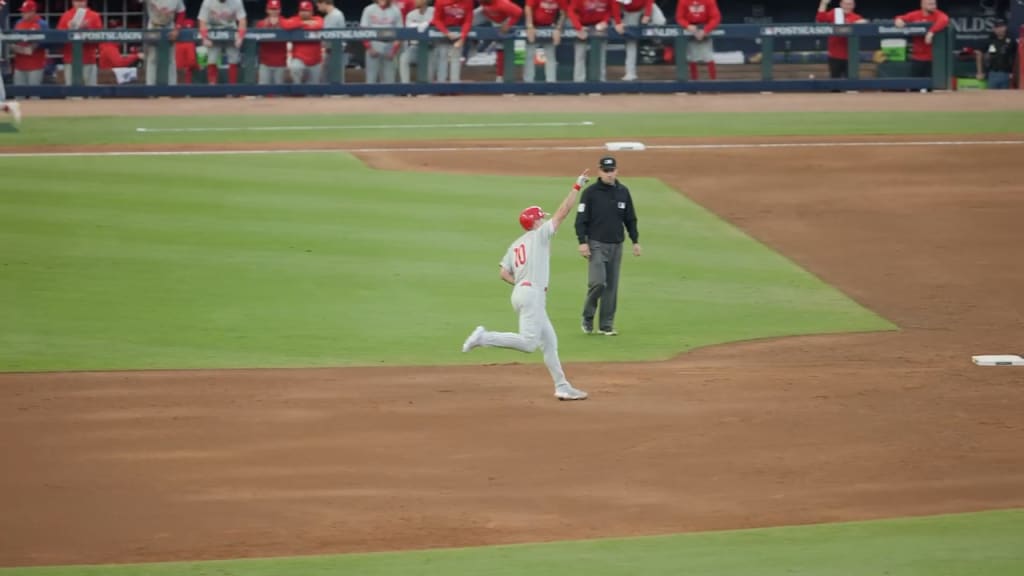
625	146
998	360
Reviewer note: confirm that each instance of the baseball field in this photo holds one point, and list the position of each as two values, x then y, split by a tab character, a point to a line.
230	339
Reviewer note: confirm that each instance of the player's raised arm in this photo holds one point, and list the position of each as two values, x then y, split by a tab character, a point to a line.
569	201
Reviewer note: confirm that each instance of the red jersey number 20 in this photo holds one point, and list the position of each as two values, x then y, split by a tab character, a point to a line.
520	255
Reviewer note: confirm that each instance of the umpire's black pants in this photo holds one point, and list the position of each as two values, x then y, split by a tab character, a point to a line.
602	283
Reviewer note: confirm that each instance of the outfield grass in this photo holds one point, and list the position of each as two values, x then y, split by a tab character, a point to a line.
312	259
955	545
122	130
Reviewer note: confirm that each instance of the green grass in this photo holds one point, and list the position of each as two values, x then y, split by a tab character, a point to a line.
313	259
955	545
122	130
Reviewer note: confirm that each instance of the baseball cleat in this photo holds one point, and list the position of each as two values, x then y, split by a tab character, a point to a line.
587	327
567	392
609	332
15	109
474	339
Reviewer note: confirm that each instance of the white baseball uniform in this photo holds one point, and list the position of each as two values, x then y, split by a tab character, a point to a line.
222	14
528	261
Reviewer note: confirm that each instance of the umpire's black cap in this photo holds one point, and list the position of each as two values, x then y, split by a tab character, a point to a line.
607	164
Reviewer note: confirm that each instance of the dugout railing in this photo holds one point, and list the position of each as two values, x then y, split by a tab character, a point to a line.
334	79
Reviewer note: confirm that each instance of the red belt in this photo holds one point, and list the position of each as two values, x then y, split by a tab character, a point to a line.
529	284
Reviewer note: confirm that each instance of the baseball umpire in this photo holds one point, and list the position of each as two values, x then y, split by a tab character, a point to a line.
605	208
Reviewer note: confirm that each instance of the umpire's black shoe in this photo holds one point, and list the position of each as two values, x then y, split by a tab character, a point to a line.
588	327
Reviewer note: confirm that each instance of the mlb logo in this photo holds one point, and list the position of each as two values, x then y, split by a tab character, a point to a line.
622	205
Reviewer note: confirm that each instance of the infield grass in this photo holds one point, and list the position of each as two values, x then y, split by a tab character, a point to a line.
334	128
954	545
313	259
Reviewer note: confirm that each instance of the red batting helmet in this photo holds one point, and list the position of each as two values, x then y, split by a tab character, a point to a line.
531	215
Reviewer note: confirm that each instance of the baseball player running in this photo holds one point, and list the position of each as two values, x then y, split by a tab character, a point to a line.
12	108
222	14
526	266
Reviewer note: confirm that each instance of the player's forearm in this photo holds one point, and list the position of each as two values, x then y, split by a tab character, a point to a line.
567	204
507	276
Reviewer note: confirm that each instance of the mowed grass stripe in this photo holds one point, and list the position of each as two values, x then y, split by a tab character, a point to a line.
955	545
316	260
123	130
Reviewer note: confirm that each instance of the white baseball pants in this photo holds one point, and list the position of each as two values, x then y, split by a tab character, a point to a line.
535	331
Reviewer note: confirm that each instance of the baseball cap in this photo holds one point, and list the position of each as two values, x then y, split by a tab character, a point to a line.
607	164
273	4
305	5
28	6
999	22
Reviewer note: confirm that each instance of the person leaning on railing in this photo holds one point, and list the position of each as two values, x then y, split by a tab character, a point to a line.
80	17
186	61
592	15
163	15
381	55
921	46
222	14
998	58
699	48
29	57
334	19
272	56
419	18
543	14
634	13
502	13
454	19
306	63
838	46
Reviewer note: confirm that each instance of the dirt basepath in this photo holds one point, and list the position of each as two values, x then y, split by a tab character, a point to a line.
118	467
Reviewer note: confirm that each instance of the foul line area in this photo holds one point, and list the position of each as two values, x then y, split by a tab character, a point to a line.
513	148
367	127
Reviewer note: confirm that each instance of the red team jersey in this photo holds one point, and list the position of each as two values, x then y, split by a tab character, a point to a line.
452	13
272	53
545	12
919	49
838	46
111	57
310	53
698	12
589	12
91	21
37	59
502	11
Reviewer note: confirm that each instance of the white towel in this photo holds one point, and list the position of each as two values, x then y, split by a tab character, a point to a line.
840	16
78	20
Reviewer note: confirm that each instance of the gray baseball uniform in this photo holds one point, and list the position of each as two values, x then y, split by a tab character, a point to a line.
380	57
633	19
420	21
222	14
528	260
161	14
